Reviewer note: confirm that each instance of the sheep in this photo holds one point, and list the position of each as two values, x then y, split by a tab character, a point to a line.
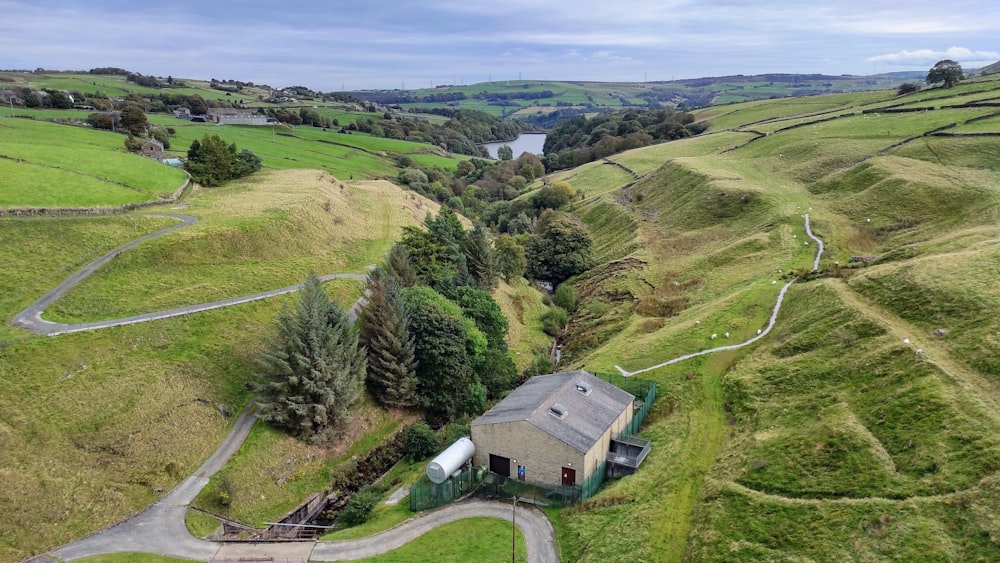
727	335
920	350
906	341
759	331
774	282
714	336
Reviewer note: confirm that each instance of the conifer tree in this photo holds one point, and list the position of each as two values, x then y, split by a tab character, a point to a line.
398	264
392	366
313	366
481	258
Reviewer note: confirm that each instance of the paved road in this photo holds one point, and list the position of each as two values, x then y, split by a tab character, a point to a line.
766	330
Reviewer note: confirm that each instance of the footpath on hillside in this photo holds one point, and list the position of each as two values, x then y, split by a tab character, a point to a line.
761	334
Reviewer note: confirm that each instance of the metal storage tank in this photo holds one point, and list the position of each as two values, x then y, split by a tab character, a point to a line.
450	460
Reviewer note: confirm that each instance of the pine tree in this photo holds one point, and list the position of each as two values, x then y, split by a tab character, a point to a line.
392	367
398	264
481	258
313	367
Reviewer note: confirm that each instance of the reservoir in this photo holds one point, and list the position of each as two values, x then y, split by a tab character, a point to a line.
527	142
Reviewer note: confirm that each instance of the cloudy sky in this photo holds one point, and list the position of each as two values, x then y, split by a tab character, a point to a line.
332	45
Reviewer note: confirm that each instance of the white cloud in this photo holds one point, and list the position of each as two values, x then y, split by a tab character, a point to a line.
925	57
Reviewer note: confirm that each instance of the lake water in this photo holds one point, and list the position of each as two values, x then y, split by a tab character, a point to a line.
527	142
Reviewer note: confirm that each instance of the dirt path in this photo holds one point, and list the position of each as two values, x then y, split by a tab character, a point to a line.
770	323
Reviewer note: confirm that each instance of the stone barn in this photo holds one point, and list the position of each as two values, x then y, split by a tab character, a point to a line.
555	429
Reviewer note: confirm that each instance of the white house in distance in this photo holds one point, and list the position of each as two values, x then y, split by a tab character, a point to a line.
556	429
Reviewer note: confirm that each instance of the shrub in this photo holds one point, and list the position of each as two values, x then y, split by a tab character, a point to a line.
565	297
359	507
419	441
554	321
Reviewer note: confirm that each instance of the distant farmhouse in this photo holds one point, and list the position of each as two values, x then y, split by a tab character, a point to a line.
232	116
558	429
152	149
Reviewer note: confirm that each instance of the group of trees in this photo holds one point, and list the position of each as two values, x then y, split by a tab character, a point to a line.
461	134
430	336
580	139
211	161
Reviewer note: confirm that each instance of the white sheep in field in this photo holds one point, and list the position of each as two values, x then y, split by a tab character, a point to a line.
714	336
727	335
920	350
759	331
906	341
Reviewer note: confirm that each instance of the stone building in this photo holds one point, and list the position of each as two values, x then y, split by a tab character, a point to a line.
152	149
555	429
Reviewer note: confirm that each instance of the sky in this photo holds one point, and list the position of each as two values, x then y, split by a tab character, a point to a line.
335	45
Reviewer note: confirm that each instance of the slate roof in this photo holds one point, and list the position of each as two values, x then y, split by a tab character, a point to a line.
587	416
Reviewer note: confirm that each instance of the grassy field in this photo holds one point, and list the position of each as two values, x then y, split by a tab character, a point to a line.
48	165
255	234
864	427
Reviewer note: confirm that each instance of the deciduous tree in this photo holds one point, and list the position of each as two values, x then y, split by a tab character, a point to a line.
947	71
560	250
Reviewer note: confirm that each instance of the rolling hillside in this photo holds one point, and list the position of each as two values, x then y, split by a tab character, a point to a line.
867	425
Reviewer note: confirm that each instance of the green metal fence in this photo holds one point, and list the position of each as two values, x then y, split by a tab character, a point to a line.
425	494
542	494
642	389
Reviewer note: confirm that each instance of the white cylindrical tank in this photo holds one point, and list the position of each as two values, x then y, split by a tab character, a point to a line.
450	460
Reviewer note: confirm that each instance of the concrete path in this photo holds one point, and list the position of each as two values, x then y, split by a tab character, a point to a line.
538	533
762	334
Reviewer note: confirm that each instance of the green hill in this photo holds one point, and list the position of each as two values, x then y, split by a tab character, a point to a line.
866	425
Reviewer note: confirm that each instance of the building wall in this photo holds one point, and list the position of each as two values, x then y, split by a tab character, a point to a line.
599	452
542	455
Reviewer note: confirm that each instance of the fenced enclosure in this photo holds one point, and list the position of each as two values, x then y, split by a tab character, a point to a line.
425	495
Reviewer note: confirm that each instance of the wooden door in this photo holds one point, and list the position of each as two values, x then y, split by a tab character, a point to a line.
568	476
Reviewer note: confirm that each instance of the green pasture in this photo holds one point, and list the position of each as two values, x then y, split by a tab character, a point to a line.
970	152
52	165
474	539
116	86
751	113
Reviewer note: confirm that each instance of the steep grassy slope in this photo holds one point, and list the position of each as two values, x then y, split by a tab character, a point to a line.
857	429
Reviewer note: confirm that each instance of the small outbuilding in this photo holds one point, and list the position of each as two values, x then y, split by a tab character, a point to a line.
556	429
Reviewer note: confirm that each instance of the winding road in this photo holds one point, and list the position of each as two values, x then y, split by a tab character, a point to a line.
161	527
